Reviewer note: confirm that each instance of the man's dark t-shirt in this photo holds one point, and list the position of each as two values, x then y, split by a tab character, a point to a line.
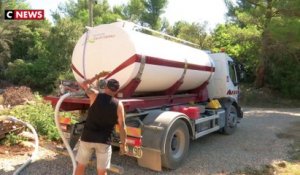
102	117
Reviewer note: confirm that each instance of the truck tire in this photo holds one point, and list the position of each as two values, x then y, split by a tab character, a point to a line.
176	146
231	118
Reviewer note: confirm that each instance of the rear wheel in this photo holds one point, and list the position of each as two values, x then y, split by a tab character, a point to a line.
231	120
176	146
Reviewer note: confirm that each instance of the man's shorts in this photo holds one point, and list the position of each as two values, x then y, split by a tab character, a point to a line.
103	154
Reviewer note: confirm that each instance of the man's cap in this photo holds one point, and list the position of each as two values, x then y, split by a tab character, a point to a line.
113	85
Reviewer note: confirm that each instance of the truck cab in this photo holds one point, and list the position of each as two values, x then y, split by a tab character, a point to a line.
225	80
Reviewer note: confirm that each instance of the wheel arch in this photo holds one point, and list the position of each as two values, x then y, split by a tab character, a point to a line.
158	125
227	101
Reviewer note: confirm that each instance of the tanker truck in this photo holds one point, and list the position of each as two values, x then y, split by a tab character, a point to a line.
172	92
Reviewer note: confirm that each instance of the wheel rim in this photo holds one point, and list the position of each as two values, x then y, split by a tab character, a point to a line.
232	118
177	144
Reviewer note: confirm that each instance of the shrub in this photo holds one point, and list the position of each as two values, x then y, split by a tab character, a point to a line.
16	70
13	139
39	114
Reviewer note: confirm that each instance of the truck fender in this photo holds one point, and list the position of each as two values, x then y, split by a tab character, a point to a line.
157	125
226	102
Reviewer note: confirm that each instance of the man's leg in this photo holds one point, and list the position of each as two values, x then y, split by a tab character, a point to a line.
101	171
83	157
103	153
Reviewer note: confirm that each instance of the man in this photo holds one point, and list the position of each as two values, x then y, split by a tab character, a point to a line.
105	111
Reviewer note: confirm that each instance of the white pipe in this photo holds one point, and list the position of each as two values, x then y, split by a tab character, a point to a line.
66	143
36	145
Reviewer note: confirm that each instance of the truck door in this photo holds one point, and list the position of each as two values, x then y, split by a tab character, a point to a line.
232	80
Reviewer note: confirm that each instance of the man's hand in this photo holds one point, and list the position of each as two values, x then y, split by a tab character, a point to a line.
85	84
123	149
101	74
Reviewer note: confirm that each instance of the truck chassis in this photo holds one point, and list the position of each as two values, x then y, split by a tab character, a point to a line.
158	133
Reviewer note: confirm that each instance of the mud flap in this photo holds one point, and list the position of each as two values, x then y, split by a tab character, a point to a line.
151	159
240	111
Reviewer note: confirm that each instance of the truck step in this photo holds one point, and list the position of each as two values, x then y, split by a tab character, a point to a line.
205	132
205	119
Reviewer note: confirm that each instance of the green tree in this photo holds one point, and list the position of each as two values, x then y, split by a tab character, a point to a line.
57	56
102	12
153	10
146	12
257	13
41	53
24	44
7	29
28	40
278	22
240	43
283	74
134	10
192	32
61	42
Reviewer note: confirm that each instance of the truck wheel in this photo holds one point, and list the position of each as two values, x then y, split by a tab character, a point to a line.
176	146
231	119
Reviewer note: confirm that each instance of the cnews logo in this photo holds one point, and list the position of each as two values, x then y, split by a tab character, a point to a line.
24	15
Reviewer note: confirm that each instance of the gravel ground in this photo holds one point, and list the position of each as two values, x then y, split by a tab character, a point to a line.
253	144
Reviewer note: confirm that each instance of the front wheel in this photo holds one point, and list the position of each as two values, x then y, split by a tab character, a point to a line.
176	146
231	119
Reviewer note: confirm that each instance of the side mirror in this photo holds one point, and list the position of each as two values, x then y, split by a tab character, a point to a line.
240	70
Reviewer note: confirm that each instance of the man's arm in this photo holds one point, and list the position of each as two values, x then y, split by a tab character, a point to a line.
122	125
89	90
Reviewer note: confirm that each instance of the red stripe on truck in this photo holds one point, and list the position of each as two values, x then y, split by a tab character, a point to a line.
122	66
77	71
159	62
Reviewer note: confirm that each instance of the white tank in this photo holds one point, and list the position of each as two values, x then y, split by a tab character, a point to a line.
118	48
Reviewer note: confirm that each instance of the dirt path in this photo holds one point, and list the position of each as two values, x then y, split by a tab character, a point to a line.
262	137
